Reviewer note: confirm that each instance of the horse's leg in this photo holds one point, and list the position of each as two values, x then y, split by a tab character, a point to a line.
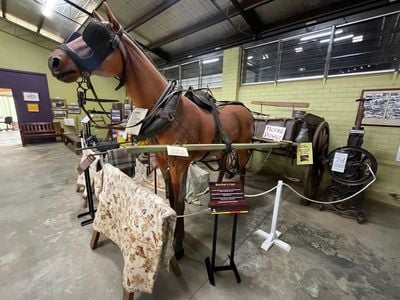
178	175
243	157
162	164
222	167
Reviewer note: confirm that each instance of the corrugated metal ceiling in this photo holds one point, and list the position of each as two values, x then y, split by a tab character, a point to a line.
173	29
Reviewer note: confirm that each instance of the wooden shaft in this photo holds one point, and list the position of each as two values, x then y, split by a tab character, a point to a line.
205	147
282	104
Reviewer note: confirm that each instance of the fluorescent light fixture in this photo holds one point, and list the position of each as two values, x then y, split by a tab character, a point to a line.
48	7
217	48
318	35
250	57
298	49
345	37
358	38
189	56
210	61
265	56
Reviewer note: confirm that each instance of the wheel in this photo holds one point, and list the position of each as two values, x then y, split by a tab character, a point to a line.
357	169
313	173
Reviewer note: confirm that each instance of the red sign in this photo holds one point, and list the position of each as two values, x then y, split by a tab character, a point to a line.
227	197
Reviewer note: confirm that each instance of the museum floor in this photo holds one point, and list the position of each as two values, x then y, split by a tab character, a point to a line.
45	253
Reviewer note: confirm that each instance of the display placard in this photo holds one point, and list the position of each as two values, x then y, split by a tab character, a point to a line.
339	162
177	151
85	164
304	154
227	197
275	133
137	115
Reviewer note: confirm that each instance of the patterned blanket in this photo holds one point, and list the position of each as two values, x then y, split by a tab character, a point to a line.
139	222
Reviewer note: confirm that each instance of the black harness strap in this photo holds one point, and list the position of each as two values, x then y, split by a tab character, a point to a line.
205	100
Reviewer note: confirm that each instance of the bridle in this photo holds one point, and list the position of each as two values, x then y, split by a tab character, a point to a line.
102	41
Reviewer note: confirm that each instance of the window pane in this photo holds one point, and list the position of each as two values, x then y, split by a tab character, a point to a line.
172	73
211	73
304	56
190	75
259	63
368	46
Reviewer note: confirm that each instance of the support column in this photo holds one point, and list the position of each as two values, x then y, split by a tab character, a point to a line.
231	74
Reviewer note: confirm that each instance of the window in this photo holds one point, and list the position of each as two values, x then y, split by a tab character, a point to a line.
304	56
365	46
372	45
259	63
211	72
201	73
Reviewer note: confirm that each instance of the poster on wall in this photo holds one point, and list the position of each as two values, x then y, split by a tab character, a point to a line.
31	96
32	107
59	113
58	103
382	107
73	109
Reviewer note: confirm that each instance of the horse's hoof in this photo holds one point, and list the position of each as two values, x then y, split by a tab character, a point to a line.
179	254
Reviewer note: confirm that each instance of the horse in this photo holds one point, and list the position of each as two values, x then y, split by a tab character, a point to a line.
104	49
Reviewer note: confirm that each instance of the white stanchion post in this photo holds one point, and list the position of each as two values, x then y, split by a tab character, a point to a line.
273	237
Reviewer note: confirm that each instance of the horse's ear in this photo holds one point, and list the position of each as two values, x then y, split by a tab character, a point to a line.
97	16
111	17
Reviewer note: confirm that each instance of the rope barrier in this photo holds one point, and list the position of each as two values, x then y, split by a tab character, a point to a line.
298	194
193	214
339	200
260	194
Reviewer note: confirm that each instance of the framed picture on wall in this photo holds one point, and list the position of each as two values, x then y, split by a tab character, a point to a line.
59	113
73	109
58	103
382	107
31	96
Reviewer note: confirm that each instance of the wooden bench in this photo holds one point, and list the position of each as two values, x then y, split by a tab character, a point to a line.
72	138
40	130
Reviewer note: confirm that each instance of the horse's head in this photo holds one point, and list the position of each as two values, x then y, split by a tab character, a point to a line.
95	51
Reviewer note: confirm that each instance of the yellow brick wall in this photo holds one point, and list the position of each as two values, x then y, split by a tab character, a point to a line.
335	101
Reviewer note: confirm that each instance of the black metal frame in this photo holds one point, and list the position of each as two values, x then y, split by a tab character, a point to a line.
211	267
89	192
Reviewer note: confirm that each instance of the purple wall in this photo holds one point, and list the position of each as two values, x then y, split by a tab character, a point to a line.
20	82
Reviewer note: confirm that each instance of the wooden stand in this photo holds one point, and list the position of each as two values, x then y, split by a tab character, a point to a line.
127	295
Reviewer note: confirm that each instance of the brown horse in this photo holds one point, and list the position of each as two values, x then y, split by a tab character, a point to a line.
106	51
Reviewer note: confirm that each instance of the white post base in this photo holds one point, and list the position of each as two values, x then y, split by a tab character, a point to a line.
270	240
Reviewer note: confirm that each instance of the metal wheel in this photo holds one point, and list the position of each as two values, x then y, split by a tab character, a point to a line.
313	173
356	170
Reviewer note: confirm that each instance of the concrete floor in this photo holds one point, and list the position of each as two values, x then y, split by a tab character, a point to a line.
45	254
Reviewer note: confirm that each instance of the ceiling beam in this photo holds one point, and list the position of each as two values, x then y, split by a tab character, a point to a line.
40	23
250	16
210	21
150	15
3	8
159	52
